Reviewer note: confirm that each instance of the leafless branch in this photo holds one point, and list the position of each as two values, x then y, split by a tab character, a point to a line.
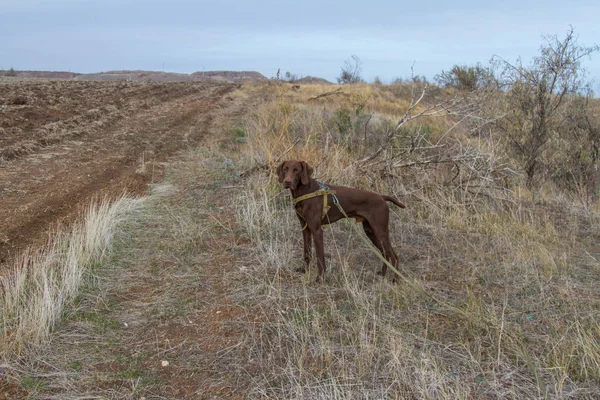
268	165
464	107
337	91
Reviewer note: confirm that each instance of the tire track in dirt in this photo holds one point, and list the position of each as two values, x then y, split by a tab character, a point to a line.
53	184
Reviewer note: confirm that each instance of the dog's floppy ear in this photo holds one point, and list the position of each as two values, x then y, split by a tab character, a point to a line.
280	172
307	172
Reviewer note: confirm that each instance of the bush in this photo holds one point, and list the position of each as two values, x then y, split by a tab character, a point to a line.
538	101
351	71
291	77
463	77
578	157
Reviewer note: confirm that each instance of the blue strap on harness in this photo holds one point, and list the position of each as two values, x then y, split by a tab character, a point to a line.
333	196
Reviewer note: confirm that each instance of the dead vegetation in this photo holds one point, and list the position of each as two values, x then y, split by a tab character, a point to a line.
500	297
499	300
42	283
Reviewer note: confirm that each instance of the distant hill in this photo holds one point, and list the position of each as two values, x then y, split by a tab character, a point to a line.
229	76
137	76
40	74
312	79
156	76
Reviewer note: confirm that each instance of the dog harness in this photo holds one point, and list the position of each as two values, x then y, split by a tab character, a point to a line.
324	191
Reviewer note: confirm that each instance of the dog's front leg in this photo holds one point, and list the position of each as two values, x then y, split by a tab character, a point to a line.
319	248
307	248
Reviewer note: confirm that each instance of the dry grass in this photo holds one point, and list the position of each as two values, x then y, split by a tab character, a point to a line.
502	300
45	281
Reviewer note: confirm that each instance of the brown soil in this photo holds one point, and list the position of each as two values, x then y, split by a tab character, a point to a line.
163	320
64	143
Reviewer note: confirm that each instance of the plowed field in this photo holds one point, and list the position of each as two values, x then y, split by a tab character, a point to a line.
63	143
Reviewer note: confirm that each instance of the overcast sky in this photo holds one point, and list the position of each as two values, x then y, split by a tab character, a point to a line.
310	37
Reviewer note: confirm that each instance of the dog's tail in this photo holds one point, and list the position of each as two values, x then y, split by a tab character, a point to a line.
393	200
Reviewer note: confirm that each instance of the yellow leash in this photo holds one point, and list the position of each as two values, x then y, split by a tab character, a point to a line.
371	246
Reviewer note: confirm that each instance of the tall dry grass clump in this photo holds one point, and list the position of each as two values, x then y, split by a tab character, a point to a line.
500	294
42	282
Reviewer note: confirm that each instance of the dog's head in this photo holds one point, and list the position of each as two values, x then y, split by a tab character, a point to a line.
292	172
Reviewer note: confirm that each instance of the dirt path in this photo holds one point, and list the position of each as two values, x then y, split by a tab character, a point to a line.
72	141
163	320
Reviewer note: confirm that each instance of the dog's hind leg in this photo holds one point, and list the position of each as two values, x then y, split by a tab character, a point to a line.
378	244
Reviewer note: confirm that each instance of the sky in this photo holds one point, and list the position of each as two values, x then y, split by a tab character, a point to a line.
310	37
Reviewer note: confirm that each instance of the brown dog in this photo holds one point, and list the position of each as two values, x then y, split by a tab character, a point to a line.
367	207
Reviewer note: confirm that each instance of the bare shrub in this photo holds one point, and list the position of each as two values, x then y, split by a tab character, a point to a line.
351	71
577	156
537	98
291	77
